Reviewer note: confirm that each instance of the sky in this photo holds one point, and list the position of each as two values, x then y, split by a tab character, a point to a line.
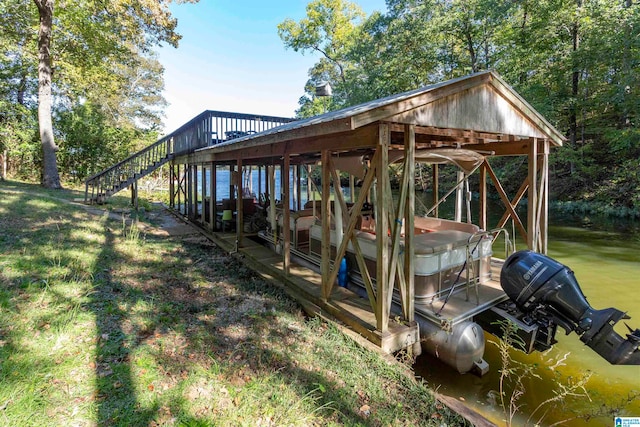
230	58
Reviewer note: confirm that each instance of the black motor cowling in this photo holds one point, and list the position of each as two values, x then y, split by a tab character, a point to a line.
540	286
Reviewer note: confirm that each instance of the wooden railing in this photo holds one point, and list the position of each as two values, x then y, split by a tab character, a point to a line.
208	128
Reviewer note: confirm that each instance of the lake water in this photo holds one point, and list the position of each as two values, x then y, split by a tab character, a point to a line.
605	256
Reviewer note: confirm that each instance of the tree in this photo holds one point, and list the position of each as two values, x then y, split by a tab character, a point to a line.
330	29
50	177
575	61
88	32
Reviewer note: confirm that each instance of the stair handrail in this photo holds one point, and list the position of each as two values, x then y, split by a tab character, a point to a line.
196	133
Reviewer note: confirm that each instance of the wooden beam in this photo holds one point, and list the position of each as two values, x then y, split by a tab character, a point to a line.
189	192
408	297
482	191
213	217
435	196
325	202
514	202
172	177
515	148
286	214
239	204
505	199
268	147
382	227
532	196
203	178
544	198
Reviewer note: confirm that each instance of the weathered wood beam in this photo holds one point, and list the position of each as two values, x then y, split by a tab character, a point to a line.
286	214
172	177
382	227
408	294
239	204
516	148
505	199
532	196
203	177
325	202
482	191
343	141
213	217
544	197
514	202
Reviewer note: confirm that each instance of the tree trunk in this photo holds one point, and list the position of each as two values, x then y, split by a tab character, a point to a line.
50	177
575	78
3	165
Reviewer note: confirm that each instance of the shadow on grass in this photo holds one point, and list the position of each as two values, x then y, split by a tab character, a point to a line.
183	333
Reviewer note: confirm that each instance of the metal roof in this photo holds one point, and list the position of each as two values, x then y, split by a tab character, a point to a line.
439	105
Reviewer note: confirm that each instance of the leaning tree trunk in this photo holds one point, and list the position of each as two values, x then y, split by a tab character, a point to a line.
50	177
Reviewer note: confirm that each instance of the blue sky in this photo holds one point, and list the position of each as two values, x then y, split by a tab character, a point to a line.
230	58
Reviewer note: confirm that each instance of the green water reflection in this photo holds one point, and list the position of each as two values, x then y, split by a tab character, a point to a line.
605	256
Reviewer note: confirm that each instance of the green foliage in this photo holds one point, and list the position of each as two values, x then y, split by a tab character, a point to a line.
103	71
575	62
90	142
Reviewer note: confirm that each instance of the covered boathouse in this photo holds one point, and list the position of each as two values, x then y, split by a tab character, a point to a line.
479	116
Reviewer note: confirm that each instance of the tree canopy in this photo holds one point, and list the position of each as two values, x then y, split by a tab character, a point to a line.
575	61
79	58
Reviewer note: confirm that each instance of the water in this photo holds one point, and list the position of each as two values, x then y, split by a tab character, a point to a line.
605	256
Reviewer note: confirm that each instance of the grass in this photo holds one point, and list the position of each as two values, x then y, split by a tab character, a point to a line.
104	325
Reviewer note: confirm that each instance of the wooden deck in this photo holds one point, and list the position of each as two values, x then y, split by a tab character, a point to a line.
304	285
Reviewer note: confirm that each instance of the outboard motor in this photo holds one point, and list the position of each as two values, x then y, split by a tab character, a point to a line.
547	293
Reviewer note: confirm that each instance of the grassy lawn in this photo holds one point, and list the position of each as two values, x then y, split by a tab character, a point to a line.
103	323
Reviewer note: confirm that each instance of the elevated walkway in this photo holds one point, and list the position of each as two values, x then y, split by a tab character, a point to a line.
207	129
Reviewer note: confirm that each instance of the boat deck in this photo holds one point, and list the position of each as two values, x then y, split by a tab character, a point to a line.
304	285
462	305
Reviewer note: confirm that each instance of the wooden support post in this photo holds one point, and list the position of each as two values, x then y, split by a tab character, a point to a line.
382	227
134	194
172	194
325	201
409	212
179	189
203	178
532	220
213	217
459	194
482	190
352	188
272	202
239	203
259	184
195	192
188	197
436	188
286	203
544	197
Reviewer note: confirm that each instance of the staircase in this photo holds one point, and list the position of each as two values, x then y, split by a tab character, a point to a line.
206	129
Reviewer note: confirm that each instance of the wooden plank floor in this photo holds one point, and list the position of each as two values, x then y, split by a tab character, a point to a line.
304	284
